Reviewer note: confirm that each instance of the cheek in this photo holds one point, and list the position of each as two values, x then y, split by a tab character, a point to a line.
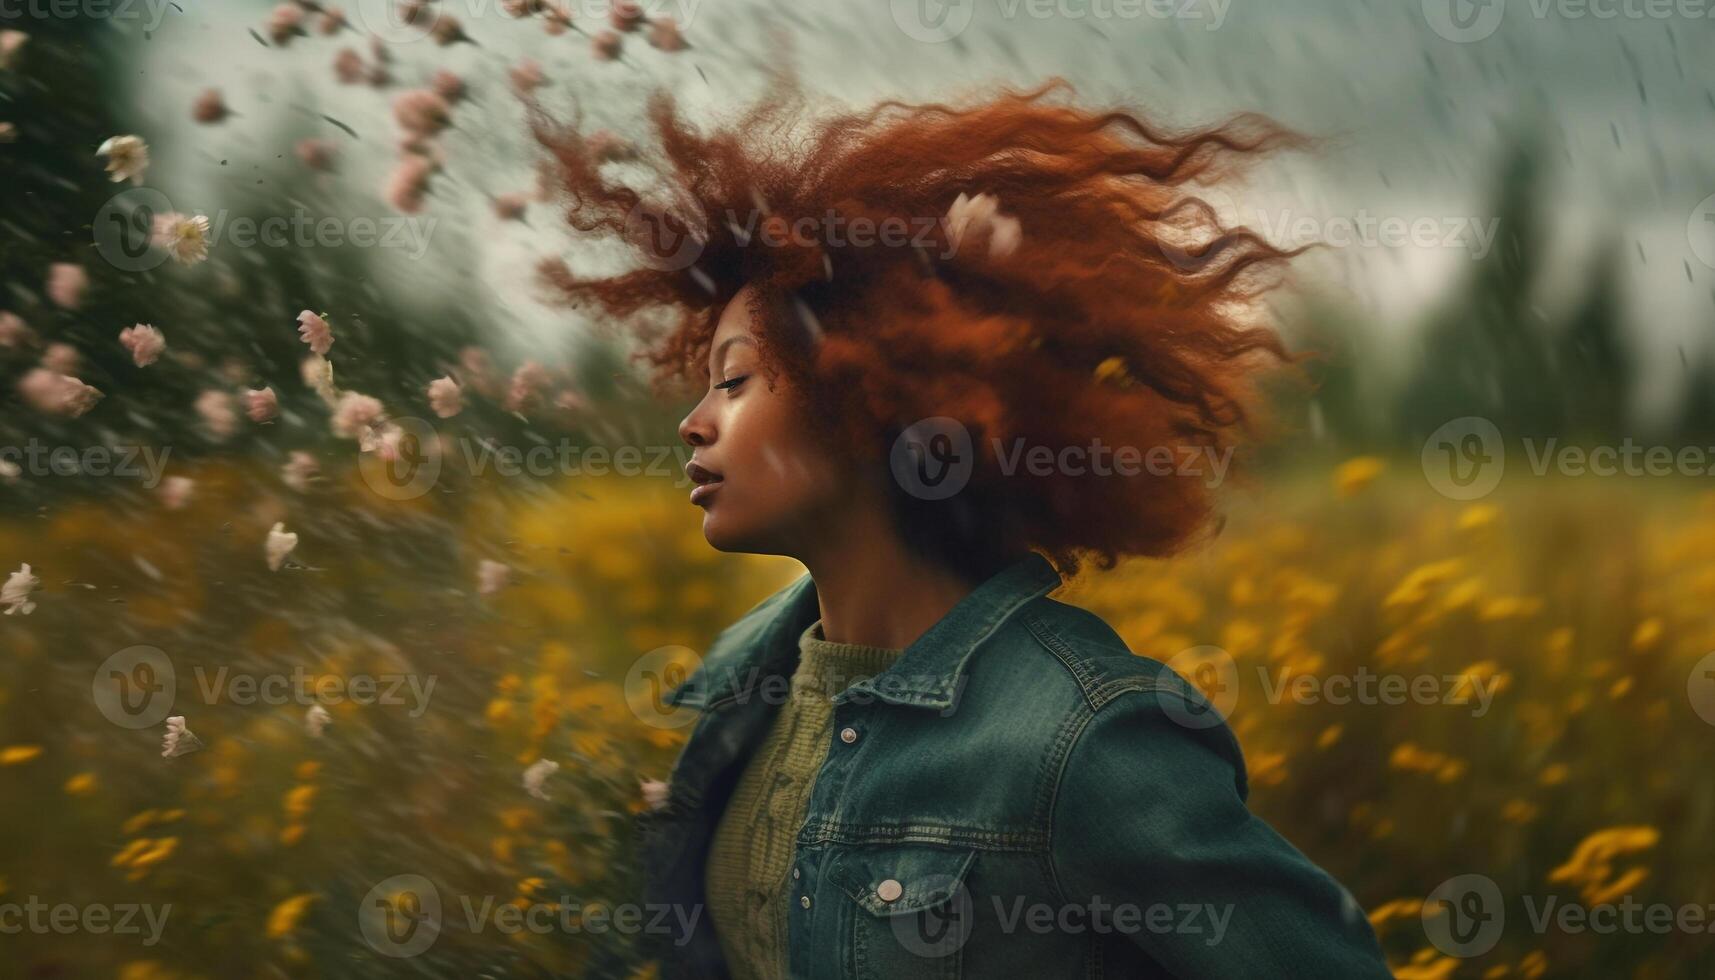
780	469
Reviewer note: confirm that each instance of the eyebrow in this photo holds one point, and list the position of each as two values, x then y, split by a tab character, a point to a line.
718	358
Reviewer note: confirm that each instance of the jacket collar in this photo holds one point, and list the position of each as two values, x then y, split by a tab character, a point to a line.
764	643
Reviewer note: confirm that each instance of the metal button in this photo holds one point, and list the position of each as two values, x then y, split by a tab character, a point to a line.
889	890
804	900
795	874
848	735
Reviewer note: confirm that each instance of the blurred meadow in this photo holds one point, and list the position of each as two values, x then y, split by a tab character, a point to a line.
392	676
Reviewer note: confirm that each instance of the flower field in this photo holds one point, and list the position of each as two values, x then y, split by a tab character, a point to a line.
1513	688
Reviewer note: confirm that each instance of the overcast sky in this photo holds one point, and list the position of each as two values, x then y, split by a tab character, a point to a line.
1422	96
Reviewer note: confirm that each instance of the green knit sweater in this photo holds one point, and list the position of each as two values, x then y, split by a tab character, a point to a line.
750	858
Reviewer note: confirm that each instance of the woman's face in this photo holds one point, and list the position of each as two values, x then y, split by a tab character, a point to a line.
763	480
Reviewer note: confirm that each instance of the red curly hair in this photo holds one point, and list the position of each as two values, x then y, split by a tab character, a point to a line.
1123	313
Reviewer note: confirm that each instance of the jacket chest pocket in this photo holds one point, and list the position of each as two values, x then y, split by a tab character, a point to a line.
909	908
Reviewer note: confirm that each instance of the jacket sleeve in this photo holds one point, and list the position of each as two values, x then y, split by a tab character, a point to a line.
1151	815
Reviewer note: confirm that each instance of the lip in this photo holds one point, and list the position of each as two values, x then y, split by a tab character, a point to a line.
706	480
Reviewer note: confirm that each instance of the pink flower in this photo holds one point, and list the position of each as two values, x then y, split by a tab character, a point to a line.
348	66
219	414
448	30
285	23
332	21
317	154
526	77
445	397
664	34
61	358
13	330
510	207
527	384
210	107
408	184
606	45
176	492
56	394
421	112
300	468
355	415
478	370
448	85
144	342
520	8
11	42
607	147
314	330
556	20
127	158
66	283
626	14
261	405
654	793
15	594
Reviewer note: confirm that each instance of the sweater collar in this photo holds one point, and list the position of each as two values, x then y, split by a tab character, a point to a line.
929	673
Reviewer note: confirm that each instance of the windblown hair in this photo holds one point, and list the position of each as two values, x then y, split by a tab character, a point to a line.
1123	315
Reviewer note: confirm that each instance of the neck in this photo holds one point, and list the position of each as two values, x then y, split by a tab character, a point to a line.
875	591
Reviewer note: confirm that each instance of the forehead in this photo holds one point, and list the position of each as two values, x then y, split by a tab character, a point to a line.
736	319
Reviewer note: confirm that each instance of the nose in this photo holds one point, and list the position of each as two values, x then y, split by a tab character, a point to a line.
696	428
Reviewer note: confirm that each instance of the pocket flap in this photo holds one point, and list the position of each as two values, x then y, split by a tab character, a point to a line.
893	879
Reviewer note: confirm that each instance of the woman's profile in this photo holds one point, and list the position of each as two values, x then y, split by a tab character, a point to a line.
948	355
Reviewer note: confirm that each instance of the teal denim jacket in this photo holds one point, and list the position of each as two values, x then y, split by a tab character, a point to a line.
1019	795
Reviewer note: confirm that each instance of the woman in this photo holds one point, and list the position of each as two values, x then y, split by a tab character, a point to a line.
917	329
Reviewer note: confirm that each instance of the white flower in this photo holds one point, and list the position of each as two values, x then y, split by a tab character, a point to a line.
299	470
538	774
975	218
127	158
446	398
10	471
144	342
15	594
315	331
280	544
179	740
316	720
185	237
654	793
491	577
176	492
